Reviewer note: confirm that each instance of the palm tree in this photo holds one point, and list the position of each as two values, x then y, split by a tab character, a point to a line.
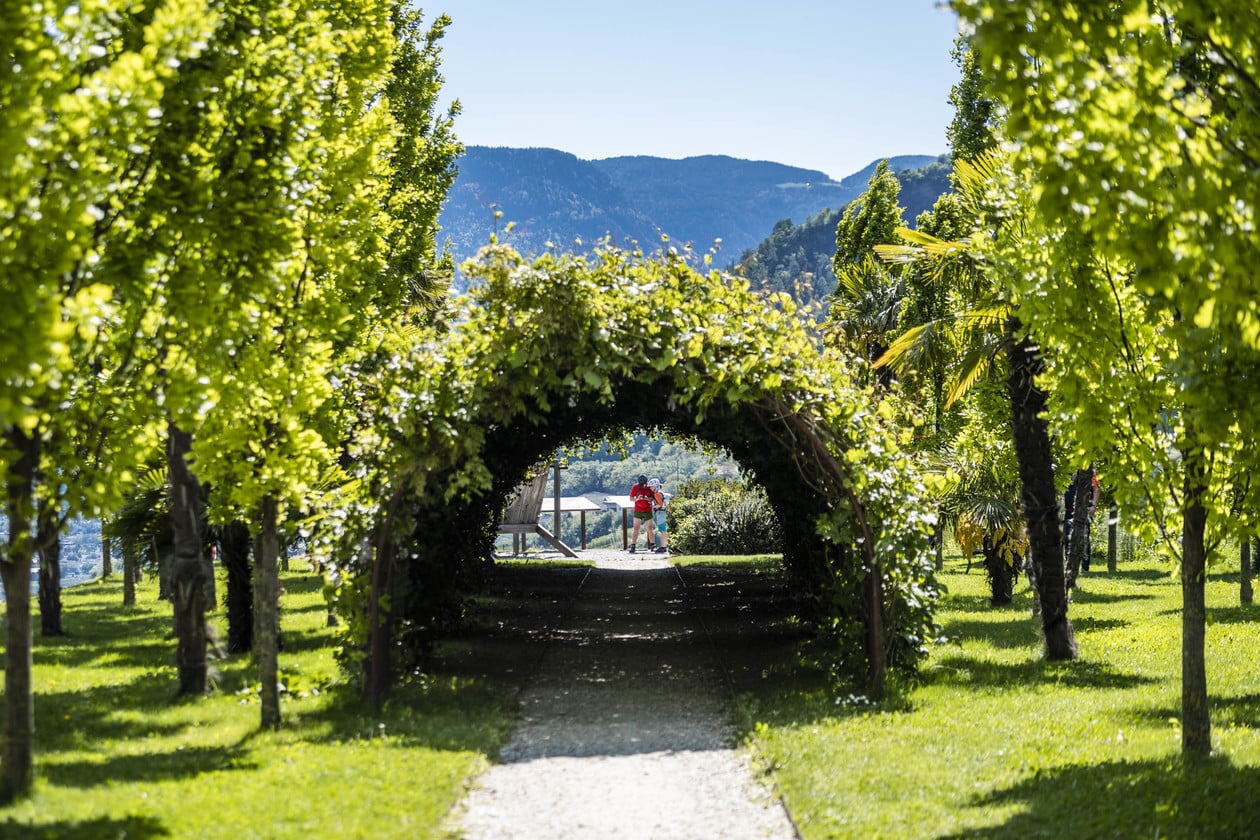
141	532
865	308
980	502
985	323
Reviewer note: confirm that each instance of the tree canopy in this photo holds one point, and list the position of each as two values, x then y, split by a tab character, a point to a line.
568	348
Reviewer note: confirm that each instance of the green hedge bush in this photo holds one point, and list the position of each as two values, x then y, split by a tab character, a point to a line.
722	516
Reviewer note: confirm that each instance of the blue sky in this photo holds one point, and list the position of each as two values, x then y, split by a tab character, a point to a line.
824	84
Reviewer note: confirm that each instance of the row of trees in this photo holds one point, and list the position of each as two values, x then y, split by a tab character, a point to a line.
218	231
212	220
1098	250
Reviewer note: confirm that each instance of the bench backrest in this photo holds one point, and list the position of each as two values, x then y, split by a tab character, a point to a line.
527	504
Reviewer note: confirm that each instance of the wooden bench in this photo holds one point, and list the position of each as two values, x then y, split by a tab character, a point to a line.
521	516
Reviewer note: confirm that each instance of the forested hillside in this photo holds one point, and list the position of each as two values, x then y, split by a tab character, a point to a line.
555	200
551	198
796	258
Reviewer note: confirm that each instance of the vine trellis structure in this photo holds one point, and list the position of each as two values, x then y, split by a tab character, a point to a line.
566	349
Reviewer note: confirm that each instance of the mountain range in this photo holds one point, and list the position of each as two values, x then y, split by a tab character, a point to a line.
543	199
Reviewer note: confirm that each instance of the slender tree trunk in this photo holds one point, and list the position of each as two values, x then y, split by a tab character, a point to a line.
188	584
1244	585
938	538
1196	724
938	427
379	626
48	542
875	628
239	599
267	614
210	595
107	562
17	766
131	572
164	574
1041	505
1078	543
1113	534
380	618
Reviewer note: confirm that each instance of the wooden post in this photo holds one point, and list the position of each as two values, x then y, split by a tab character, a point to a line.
555	491
1113	521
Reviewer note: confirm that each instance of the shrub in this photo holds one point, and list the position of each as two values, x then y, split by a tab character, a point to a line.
722	516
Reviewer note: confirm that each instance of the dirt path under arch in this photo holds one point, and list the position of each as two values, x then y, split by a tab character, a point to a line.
625	674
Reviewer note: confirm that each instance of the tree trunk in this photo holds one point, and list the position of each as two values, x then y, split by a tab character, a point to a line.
938	539
1113	534
188	584
1032	582
1041	504
1196	724
131	572
239	599
164	574
107	562
48	542
267	614
380	618
1078	542
17	767
875	641
1001	574
1244	576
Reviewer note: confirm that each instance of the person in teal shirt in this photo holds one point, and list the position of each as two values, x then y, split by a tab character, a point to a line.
660	500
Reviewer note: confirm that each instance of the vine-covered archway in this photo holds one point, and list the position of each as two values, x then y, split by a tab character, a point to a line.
565	348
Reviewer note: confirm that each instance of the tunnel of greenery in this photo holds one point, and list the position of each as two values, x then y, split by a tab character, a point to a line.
569	349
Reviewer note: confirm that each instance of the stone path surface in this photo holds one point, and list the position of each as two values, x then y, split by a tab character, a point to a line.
625	676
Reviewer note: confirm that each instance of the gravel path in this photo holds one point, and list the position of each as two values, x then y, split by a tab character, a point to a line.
624	729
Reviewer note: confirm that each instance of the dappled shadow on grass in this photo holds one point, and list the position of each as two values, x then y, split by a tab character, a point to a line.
980	604
1242	711
1167	799
460	715
61	718
173	765
1233	615
69	654
304	585
96	632
133	827
1007	629
1082	595
301	641
1146	575
978	673
1089	624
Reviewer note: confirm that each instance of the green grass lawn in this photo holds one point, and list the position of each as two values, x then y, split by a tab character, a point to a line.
994	742
118	756
990	742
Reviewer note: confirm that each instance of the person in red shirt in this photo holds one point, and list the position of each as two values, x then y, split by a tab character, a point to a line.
643	497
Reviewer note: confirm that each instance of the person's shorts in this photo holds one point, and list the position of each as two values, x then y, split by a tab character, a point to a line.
643	514
661	524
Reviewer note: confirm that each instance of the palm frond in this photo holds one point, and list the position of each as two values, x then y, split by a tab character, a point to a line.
973	177
994	513
900	254
152	480
972	367
910	348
